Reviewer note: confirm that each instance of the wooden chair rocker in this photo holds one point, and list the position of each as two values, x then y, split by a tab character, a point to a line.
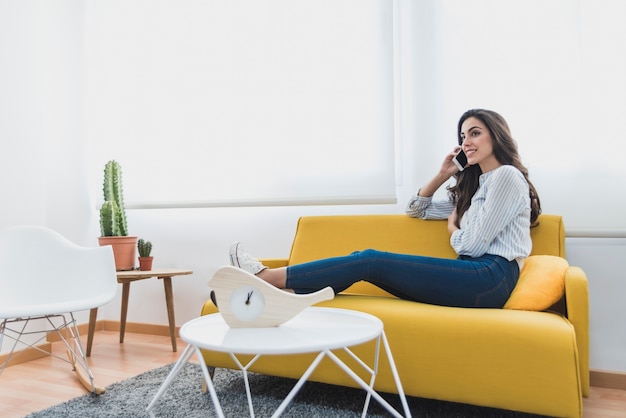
44	278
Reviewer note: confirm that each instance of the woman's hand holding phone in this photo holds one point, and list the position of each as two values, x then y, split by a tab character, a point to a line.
449	168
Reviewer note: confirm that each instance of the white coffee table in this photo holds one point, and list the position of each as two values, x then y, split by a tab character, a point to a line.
318	330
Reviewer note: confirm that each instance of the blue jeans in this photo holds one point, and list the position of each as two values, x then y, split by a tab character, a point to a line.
482	282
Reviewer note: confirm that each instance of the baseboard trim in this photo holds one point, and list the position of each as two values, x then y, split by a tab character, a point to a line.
53	336
137	328
27	354
607	379
105	325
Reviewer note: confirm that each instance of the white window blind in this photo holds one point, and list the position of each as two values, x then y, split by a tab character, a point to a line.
242	102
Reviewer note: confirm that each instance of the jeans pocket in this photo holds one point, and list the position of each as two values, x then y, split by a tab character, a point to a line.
505	276
495	297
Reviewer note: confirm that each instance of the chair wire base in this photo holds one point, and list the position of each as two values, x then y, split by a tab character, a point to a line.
15	329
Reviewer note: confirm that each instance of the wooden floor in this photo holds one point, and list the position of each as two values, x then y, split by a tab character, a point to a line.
41	383
38	384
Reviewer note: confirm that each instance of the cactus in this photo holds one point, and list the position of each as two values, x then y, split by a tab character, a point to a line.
109	215
113	212
144	247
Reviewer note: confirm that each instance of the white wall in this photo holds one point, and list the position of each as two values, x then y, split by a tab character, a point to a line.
604	262
43	178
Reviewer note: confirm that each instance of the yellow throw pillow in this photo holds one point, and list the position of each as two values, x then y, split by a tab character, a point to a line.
541	283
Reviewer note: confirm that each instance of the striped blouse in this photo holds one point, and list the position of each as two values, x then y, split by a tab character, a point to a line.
497	222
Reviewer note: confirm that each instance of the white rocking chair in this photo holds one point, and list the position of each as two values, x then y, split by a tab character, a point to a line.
44	278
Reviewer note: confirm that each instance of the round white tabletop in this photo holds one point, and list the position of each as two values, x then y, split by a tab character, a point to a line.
313	330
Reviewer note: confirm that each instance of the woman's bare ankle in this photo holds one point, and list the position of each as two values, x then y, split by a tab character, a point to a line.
275	277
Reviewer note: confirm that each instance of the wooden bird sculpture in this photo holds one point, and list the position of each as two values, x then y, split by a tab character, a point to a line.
246	301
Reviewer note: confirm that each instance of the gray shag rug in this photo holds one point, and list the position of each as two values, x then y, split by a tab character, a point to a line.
184	398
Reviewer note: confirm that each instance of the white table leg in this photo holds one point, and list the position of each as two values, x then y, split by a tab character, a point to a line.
172	374
364	385
189	350
373	372
299	384
396	376
244	370
209	382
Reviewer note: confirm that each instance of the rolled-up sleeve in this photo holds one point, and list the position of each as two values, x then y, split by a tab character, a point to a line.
427	208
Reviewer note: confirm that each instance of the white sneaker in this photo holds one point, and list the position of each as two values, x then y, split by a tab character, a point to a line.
243	260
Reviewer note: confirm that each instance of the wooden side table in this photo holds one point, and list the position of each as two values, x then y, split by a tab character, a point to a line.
126	278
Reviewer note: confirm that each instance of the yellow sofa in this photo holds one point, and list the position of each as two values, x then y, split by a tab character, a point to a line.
516	359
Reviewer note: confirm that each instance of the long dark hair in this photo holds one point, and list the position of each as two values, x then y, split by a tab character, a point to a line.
505	151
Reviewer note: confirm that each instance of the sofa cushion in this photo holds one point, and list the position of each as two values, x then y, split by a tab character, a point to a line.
541	283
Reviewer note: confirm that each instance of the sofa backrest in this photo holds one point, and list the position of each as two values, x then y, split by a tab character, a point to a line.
328	236
549	236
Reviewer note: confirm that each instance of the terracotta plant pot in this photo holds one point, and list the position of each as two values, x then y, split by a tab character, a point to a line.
145	263
124	251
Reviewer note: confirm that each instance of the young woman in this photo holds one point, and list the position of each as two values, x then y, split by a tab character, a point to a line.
490	210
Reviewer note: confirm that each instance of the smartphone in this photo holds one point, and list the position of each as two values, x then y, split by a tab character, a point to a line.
460	160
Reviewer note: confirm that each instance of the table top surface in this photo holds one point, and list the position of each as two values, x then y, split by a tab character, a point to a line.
140	274
313	330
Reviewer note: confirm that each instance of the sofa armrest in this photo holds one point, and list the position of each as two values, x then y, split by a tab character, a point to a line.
577	300
274	262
